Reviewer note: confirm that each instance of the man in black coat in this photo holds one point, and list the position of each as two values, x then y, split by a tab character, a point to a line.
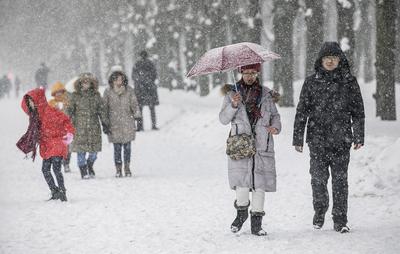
41	76
144	75
332	107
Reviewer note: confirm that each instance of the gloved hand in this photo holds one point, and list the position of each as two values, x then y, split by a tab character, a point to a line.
106	129
67	139
299	149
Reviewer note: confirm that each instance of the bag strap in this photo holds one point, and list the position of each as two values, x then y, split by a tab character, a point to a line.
237	131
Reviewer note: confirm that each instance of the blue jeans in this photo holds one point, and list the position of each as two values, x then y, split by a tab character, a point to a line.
118	151
82	158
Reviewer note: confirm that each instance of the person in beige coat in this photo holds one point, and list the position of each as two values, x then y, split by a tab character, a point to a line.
122	109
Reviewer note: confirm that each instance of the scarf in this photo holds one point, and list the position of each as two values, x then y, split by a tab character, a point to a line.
119	90
251	95
30	140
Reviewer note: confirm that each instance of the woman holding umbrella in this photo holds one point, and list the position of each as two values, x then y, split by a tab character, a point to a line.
250	108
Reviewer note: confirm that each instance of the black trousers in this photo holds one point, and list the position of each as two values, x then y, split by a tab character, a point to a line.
46	169
153	117
118	150
337	159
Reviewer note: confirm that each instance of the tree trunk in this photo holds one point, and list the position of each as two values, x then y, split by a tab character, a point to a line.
346	36
284	16
385	59
315	33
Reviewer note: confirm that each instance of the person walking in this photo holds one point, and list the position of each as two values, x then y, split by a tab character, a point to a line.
332	107
41	75
122	109
251	110
53	131
144	75
60	102
86	109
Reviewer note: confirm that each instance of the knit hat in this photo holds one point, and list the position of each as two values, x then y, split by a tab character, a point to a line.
256	66
57	87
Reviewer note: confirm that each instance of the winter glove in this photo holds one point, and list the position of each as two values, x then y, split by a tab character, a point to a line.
106	129
299	149
275	96
67	139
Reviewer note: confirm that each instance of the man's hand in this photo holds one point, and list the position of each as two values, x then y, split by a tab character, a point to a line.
357	146
299	148
236	99
272	130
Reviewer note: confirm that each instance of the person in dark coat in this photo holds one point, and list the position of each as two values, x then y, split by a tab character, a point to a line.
41	76
144	75
332	107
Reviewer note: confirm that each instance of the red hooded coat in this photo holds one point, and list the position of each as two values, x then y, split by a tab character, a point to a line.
54	125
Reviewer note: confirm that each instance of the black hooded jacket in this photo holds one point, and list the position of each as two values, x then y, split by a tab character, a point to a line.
331	105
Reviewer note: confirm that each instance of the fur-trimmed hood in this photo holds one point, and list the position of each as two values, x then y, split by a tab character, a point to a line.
86	76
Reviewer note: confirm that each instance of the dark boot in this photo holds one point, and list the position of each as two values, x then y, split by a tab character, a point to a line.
118	167
256	222
341	228
318	219
84	173
62	195
139	125
54	194
90	169
241	217
127	170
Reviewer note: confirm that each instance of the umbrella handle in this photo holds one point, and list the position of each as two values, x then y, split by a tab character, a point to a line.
234	80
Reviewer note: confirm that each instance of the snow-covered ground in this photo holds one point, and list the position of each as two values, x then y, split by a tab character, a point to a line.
179	200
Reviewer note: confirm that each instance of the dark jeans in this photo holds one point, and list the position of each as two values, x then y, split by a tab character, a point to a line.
153	117
321	158
118	151
46	169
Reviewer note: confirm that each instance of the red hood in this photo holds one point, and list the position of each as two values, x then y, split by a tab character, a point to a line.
39	98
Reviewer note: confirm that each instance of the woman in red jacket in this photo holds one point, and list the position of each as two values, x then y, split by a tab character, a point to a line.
53	131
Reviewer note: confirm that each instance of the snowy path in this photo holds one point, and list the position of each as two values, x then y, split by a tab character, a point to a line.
179	200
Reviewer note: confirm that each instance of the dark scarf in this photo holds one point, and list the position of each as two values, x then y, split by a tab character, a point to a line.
251	96
30	140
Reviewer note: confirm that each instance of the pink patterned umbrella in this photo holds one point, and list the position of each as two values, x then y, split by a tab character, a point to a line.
230	57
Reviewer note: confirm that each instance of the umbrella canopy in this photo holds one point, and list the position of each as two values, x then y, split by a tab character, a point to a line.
230	57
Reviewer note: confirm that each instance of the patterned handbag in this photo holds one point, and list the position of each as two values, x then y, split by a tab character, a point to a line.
240	146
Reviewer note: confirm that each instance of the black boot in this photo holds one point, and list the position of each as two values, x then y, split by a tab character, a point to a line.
84	173
318	219
256	222
90	169
241	217
54	194
118	167
341	227
127	169
62	195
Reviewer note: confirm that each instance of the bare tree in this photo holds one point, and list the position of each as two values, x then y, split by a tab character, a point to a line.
284	16
315	33
346	36
385	59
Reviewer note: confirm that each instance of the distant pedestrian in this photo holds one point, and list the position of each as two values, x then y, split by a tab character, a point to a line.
41	76
144	75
